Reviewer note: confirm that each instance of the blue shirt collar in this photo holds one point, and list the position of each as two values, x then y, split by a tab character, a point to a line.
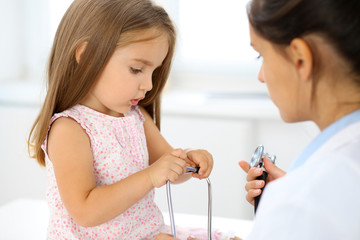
324	136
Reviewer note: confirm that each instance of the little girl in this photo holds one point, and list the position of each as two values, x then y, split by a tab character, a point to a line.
98	130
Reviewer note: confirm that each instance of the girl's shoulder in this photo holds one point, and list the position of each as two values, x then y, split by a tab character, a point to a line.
65	132
70	122
71	116
67	127
73	112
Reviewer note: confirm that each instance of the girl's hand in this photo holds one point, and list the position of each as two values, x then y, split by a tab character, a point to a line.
203	159
253	186
167	167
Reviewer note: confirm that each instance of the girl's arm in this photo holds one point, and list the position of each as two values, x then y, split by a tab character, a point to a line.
158	146
156	143
70	152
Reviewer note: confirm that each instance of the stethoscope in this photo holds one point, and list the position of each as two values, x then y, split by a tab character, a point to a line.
171	212
257	161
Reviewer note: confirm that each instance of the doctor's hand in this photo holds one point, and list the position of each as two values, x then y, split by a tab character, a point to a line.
203	159
253	186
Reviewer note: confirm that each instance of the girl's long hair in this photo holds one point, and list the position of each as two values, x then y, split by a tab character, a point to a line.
103	25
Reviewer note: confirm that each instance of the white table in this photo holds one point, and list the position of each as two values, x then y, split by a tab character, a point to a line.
24	219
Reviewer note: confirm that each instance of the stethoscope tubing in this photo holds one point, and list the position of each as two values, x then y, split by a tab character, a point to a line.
170	207
257	199
171	210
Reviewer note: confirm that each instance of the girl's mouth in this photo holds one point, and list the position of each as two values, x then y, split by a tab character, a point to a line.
135	102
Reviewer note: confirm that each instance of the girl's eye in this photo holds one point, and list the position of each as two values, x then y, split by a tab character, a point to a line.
135	70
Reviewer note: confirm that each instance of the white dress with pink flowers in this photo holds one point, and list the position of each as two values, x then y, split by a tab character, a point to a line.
119	150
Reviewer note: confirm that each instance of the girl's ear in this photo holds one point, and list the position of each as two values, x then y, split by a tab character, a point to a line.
79	51
302	58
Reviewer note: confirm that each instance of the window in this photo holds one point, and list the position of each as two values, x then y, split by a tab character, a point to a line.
23	24
57	10
213	48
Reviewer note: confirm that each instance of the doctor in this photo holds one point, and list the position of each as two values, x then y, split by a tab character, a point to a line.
311	67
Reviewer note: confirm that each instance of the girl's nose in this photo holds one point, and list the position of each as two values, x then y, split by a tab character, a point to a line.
147	84
261	75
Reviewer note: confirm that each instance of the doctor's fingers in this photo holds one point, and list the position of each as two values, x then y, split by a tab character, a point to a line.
253	173
244	165
253	185
250	196
273	171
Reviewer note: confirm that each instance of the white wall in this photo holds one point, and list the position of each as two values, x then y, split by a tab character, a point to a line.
20	176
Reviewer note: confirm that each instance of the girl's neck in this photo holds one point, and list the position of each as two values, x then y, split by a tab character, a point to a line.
94	104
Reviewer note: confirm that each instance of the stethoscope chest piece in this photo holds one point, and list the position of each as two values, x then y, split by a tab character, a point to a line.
257	161
257	157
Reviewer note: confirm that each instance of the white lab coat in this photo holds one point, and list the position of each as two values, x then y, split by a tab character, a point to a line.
320	199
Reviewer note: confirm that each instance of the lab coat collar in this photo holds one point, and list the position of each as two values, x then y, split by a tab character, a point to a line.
324	136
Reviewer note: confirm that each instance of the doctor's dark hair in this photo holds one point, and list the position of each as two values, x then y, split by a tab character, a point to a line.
102	26
280	21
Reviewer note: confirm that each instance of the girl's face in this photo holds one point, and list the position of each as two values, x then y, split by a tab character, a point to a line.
280	77
127	76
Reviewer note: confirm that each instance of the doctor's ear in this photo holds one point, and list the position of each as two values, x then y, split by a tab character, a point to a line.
302	57
79	51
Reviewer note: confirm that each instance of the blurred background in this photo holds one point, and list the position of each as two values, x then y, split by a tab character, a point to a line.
212	101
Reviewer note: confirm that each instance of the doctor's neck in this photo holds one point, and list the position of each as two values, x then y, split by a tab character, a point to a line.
334	98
